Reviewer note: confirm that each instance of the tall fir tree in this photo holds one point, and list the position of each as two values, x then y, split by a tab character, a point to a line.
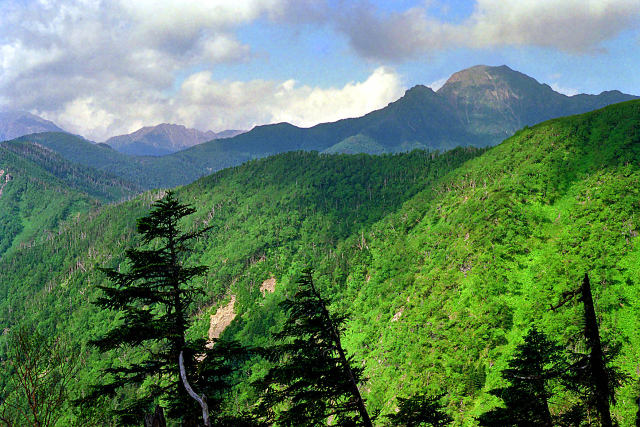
592	376
154	296
313	380
535	366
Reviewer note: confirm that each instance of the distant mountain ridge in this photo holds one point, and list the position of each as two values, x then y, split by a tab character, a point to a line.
479	106
164	139
14	124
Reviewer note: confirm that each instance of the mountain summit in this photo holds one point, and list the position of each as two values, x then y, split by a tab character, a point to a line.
164	139
479	106
14	124
493	102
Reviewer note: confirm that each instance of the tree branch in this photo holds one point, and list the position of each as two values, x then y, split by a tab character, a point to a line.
199	399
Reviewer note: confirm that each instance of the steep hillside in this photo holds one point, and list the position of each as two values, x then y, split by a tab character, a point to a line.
14	124
101	185
441	275
468	267
163	139
33	201
39	189
270	217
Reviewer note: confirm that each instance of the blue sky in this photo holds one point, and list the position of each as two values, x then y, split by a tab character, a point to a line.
101	68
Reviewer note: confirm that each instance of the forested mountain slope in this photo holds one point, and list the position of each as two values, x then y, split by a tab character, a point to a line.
441	265
39	189
468	267
270	217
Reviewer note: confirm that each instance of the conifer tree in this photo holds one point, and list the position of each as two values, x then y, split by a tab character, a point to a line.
591	376
313	380
534	366
420	410
154	295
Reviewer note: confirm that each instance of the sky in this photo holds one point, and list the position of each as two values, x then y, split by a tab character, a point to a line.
101	68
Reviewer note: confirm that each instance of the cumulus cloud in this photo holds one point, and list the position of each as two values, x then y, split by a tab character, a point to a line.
437	84
203	102
569	91
576	26
98	67
101	68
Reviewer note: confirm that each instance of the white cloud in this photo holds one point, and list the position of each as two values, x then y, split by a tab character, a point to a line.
564	90
101	67
205	103
97	67
437	84
576	26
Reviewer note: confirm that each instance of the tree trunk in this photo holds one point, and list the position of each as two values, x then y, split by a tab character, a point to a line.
156	419
345	362
200	399
598	372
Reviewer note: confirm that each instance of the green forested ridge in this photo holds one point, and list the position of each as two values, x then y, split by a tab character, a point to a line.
39	189
471	265
99	184
269	216
441	276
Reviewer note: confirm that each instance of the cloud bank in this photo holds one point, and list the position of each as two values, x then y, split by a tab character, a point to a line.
575	26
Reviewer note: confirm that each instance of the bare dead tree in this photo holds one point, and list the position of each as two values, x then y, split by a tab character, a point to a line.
200	399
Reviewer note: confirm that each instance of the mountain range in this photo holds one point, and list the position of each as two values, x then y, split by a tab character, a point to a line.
479	106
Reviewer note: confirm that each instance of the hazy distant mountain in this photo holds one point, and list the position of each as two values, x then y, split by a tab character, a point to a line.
14	124
164	139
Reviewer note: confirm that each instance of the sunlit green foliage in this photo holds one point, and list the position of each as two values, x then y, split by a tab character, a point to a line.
268	216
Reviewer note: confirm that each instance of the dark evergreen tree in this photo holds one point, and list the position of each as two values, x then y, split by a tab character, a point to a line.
154	296
535	366
420	410
313	380
591	375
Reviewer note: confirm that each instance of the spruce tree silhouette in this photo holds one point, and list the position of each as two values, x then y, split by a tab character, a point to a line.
154	295
313	380
535	365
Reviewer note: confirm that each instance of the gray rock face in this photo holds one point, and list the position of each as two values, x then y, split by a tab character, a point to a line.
14	124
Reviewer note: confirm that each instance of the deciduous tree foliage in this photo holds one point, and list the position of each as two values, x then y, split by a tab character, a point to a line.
41	370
